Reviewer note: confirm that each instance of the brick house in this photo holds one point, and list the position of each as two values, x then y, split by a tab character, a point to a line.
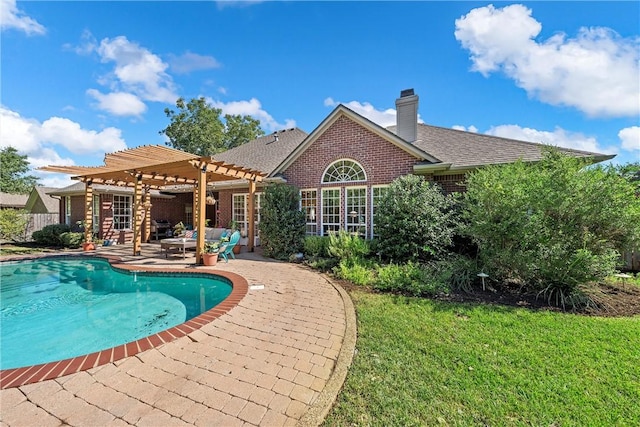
342	168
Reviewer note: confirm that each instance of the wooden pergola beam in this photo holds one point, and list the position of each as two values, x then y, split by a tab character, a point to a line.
155	167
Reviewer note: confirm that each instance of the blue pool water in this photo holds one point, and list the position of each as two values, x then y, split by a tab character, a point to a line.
57	308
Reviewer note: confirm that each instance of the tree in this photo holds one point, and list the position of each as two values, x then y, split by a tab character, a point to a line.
197	128
13	168
551	226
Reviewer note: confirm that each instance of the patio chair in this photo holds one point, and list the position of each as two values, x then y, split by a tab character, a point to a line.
228	249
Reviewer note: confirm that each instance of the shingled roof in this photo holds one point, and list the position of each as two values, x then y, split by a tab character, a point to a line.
266	152
16	201
466	150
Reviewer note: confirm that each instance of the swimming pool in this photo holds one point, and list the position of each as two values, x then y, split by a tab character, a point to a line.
59	308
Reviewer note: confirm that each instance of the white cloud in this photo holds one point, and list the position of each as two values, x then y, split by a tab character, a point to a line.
595	72
471	128
138	75
559	137
382	118
630	138
138	70
253	108
69	134
119	103
189	61
13	18
222	90
38	141
33	138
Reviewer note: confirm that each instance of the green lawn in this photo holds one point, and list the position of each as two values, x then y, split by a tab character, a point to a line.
423	362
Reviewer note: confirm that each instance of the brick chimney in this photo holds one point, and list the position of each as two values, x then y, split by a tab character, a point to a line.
407	115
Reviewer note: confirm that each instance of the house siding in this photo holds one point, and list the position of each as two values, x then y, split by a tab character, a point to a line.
381	160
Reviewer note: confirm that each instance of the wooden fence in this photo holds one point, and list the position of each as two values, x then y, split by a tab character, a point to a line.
36	222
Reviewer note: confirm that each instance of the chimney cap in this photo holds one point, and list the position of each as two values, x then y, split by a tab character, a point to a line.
406	92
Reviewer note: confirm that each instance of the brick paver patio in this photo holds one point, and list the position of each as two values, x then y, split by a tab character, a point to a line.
278	358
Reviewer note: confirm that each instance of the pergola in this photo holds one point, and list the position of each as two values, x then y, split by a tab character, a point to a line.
155	167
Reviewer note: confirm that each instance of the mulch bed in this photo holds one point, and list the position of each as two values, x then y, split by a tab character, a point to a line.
610	300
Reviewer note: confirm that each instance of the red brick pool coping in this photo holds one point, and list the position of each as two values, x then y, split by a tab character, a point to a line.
30	374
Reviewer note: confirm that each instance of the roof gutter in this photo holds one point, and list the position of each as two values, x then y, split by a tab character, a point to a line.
425	169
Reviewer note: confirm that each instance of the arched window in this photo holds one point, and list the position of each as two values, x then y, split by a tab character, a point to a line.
344	170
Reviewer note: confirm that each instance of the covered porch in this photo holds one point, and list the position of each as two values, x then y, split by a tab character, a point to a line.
157	167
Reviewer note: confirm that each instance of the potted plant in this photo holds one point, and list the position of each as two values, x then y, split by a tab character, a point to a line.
210	255
88	245
178	229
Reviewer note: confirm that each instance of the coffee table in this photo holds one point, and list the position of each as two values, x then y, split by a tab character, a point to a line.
177	242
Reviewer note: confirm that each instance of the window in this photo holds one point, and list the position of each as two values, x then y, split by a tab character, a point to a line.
344	171
96	214
330	210
240	212
356	211
377	193
121	212
67	210
308	205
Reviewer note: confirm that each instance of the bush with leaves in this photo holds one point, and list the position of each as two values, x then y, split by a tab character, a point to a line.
552	225
316	246
50	235
13	223
412	279
282	224
72	239
347	247
415	221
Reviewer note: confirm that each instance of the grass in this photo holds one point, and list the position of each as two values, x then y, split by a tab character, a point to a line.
424	362
10	248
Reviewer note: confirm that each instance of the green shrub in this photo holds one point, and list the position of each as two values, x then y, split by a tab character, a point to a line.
553	225
72	240
415	221
410	279
360	273
13	223
50	235
316	246
346	246
282	224
322	264
461	272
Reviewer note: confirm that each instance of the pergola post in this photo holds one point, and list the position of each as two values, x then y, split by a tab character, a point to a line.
200	211
251	206
147	215
88	212
137	212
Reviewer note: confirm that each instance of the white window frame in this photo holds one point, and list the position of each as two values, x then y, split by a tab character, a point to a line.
322	211
374	205
67	210
128	212
310	210
324	174
96	214
361	209
240	215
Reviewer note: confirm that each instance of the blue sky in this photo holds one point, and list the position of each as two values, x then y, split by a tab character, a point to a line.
82	78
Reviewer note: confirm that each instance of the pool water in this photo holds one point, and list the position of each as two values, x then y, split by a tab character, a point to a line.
53	309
